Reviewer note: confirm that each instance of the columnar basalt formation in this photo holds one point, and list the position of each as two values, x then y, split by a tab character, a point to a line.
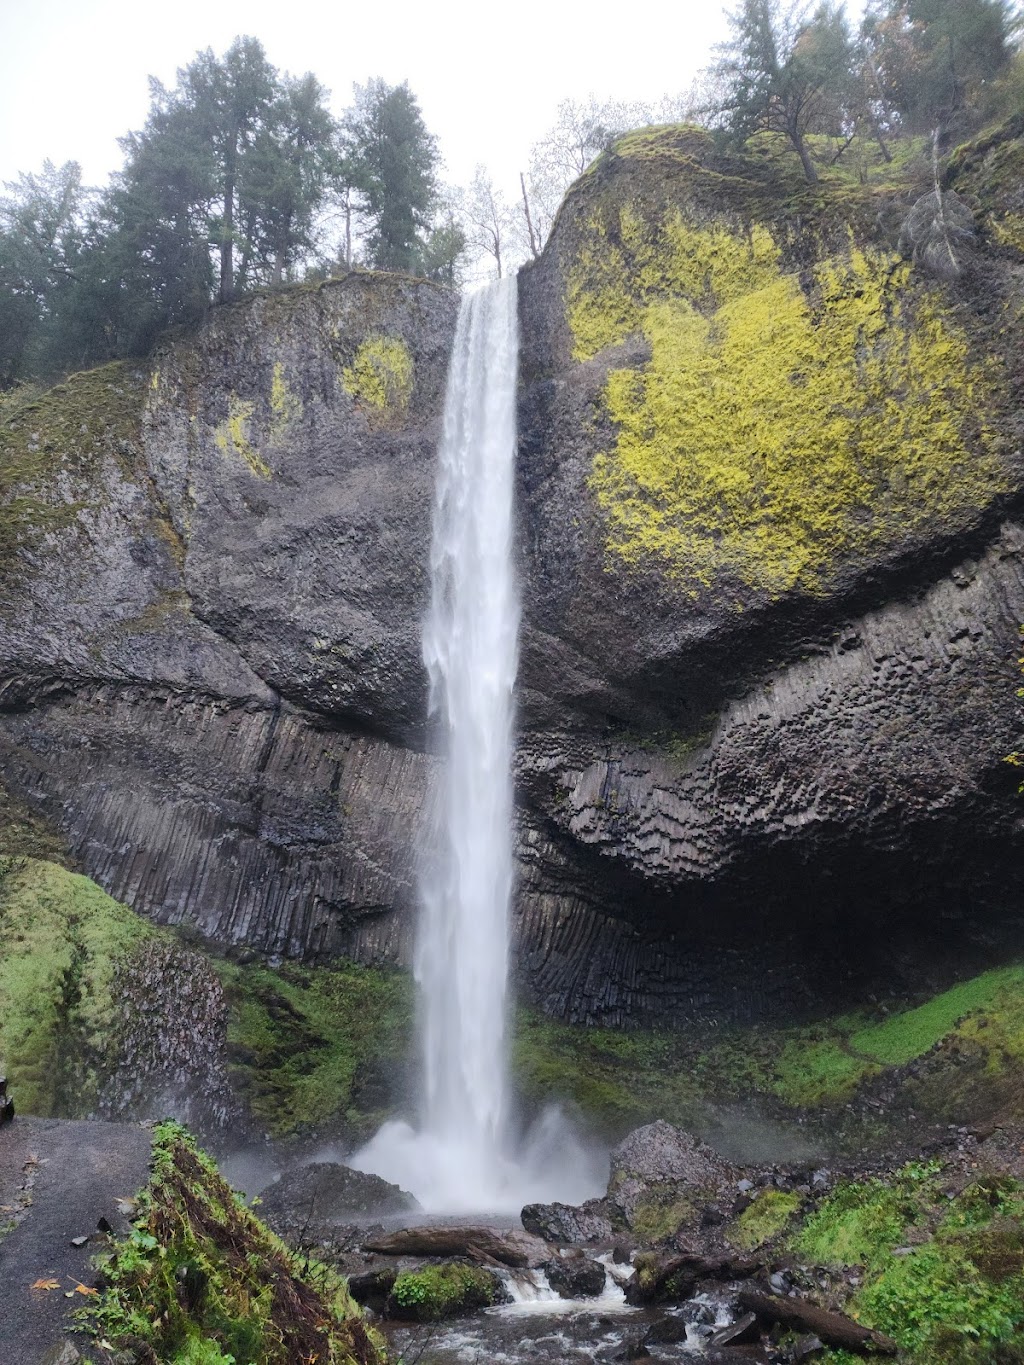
769	501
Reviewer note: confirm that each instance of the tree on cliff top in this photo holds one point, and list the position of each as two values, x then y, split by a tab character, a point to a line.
236	156
937	59
396	161
783	72
40	245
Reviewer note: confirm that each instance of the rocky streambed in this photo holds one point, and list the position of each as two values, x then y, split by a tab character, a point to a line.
687	1255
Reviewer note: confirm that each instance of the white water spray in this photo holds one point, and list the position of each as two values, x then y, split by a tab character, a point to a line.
470	650
461	1158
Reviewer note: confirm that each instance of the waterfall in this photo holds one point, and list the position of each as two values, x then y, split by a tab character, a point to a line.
469	648
463	1156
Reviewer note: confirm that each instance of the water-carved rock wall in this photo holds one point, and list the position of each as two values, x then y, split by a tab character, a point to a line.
762	732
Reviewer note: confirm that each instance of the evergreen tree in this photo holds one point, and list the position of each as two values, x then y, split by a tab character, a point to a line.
234	156
395	161
284	181
937	58
444	250
784	72
41	242
231	104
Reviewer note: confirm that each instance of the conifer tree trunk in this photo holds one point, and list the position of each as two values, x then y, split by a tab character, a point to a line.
227	240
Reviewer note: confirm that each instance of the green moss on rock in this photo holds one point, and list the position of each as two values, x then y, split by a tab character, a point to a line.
442	1291
312	1047
60	938
285	405
989	171
24	833
943	1272
815	1067
768	1215
200	1280
904	1036
380	377
959	1057
660	1213
52	446
232	437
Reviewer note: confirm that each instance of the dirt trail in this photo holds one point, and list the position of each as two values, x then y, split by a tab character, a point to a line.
59	1177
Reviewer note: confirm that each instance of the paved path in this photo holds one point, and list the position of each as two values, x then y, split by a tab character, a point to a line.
72	1173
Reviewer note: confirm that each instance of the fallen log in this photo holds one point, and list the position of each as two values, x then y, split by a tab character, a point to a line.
517	1250
834	1329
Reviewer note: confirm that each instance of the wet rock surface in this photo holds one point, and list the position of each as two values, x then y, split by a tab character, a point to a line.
484	1245
662	1161
659	1151
326	1192
211	688
590	1222
575	1276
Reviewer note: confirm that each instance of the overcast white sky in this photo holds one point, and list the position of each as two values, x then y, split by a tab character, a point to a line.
488	76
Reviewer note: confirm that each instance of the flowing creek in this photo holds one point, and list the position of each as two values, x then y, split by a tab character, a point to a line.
538	1326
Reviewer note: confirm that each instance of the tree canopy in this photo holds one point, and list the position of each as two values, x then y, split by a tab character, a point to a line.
789	72
242	178
937	58
396	161
226	187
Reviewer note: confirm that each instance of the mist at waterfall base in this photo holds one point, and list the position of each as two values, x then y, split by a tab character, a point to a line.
464	1154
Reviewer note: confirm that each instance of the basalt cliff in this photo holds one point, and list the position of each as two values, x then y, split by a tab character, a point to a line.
772	557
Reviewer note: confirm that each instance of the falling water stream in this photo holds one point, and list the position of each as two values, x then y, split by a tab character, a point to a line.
464	1154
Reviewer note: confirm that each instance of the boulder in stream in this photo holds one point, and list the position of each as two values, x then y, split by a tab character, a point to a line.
326	1192
661	1279
586	1224
574	1275
447	1289
661	1176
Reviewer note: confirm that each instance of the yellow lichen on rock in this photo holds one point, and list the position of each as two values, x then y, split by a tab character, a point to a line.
781	426
1008	230
380	377
285	407
617	279
232	436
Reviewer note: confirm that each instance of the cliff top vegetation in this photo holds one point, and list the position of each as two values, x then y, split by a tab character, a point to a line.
242	179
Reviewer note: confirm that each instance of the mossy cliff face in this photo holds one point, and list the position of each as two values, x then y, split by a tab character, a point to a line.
768	480
752	400
770	475
783	426
101	1013
213	573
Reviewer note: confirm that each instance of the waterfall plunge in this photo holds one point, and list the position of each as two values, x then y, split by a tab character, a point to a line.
464	1157
469	648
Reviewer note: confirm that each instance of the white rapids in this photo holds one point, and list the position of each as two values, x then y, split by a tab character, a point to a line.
463	1156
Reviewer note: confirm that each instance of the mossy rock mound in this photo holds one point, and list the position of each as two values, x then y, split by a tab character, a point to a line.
446	1289
101	1012
931	1255
200	1281
786	404
989	171
54	445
